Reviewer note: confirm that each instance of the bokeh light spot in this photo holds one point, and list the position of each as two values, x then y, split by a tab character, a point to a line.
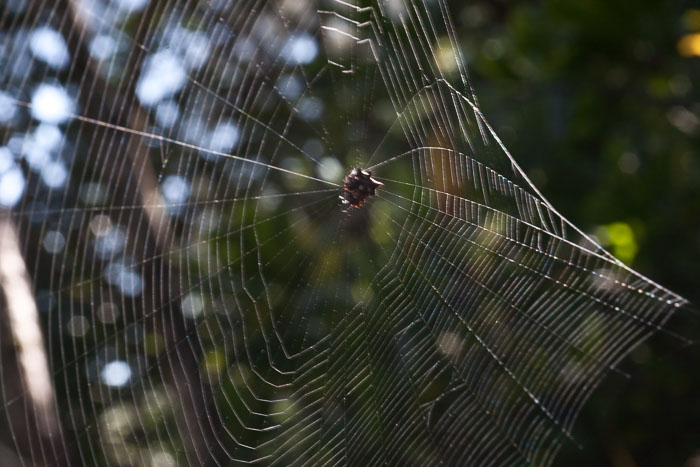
175	189
102	47
163	75
116	373
48	45
132	5
54	242
12	185
689	45
8	108
224	137
54	174
301	49
52	104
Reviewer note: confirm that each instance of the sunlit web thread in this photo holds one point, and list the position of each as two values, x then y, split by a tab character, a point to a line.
59	369
290	368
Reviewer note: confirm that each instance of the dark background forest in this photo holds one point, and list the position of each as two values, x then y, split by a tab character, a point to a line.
599	102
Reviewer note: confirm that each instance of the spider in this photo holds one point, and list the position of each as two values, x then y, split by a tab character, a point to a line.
358	186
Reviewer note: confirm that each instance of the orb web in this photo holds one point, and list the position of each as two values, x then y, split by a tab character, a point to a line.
174	168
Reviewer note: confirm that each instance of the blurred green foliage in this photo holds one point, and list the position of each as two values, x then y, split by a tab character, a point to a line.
598	102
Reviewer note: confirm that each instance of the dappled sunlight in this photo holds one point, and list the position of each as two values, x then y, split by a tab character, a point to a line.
318	232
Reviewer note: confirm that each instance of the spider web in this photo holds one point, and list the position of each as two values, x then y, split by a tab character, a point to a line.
207	300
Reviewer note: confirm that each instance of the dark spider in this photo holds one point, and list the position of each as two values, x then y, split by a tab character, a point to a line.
358	186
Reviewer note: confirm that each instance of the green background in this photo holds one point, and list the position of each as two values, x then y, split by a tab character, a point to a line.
596	102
